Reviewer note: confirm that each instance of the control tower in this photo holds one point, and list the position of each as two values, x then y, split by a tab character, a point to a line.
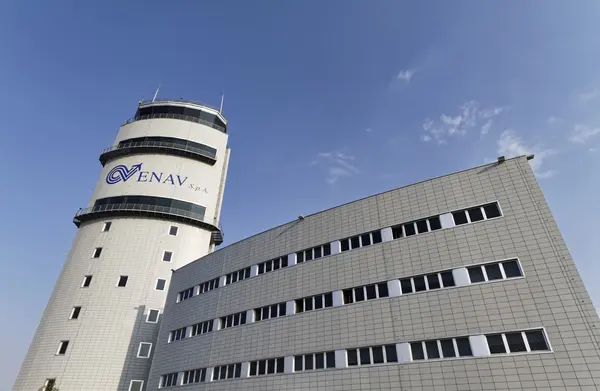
155	208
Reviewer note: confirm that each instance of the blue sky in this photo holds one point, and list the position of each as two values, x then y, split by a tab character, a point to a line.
327	102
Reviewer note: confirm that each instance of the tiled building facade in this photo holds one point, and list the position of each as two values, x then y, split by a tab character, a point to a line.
461	282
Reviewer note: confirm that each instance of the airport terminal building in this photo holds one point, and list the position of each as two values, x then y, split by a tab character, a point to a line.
461	282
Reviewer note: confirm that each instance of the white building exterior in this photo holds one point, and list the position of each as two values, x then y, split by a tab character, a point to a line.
155	208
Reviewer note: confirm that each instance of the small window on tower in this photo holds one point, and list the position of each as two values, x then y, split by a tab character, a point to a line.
62	347
173	230
122	281
167	256
97	252
87	280
75	313
160	284
152	316
106	226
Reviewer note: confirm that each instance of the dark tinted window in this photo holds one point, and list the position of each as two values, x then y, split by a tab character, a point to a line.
179	111
365	239
359	294
406	285
475	214
318	252
308	361
495	343
376	236
383	289
433	281
352	357
536	340
345	244
493	272
417	351
271	366
371	292
328	300
511	269
460	217
262	367
422	226
447	348
447	279
318	302
300	257
122	281
330	359
391	354
126	202
171	141
76	311
326	250
409	229
491	210
63	347
308	304
419	283
348	296
308	255
397	232
298	363
319	361
515	342
354	241
476	274
432	349
464	347
434	223
365	356
378	355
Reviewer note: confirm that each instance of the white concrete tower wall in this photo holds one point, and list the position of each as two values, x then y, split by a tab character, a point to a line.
151	163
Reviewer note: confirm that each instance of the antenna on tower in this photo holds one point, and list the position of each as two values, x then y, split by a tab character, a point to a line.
156	93
221	107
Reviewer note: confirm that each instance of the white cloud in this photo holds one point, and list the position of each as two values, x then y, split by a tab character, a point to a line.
581	134
552	120
486	127
592	150
368	130
337	165
511	145
588	95
470	116
406	75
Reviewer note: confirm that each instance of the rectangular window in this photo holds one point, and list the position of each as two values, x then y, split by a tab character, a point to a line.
422	226
49	385
352	357
97	252
419	283
536	340
354	242
493	272
432	350
365	356
512	269
326	250
62	348
371	292
475	214
169	380
298	363
173	230
496	343
464	347
433	281
122	281
515	342
448	348
391	354
330	358
319	361
152	316
160	284
345	244
329	300
144	350
378	355
348	297
318	252
75	313
318	302
359	294
106	226
270	366
87	280
397	232
460	217
476	274
134	385
308	255
376	235
382	289
435	223
167	256
492	210
406	285
409	229
416	349
194	376
447	279
299	257
365	240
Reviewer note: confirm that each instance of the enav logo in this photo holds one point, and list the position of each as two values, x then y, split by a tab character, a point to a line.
121	173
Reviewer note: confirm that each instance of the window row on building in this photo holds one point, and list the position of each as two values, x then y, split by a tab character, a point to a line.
463	347
458	277
403	230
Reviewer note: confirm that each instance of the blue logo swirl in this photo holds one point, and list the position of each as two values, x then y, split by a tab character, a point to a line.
122	173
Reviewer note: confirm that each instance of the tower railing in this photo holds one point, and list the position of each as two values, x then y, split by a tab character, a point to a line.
118	150
176	116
